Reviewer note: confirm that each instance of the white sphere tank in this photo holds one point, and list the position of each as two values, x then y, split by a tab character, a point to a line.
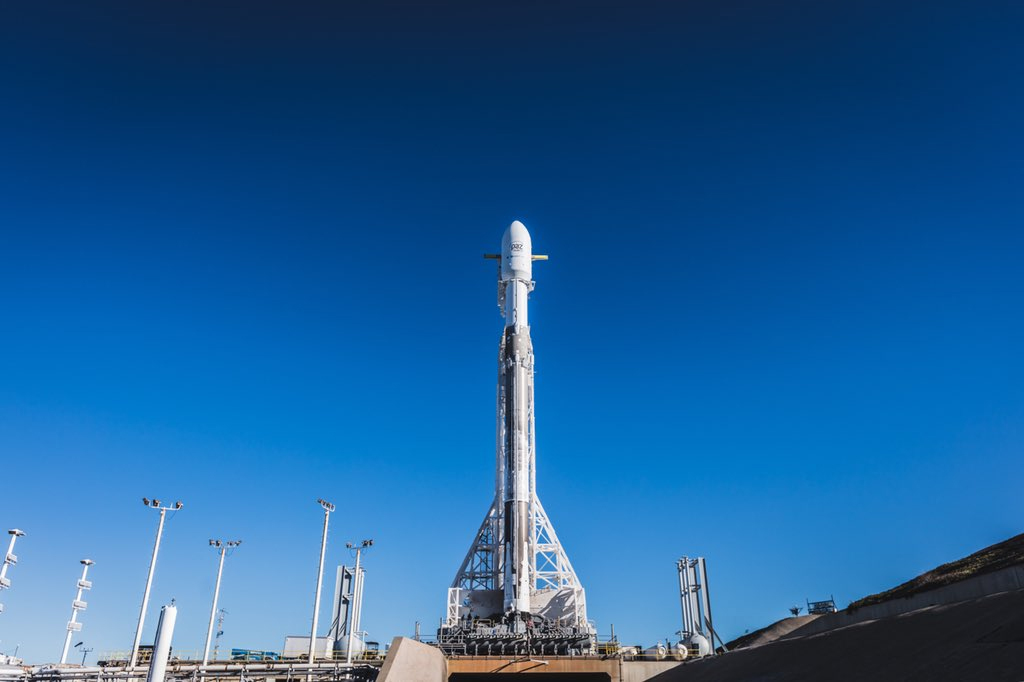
699	645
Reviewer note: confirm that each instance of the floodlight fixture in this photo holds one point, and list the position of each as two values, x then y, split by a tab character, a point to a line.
16	532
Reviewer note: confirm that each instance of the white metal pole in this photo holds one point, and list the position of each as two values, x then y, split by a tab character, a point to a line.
213	609
360	580
76	606
10	552
145	595
354	618
359	604
9	560
328	507
683	596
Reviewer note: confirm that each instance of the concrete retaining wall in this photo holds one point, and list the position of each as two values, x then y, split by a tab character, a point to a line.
1005	580
412	661
640	671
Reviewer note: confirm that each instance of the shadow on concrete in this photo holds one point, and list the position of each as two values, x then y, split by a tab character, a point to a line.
540	677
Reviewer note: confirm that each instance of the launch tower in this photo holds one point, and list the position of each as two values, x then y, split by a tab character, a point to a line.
516	592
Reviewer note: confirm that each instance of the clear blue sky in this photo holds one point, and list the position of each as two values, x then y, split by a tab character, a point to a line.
781	326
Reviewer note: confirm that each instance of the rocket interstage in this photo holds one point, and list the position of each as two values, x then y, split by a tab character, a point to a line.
516	572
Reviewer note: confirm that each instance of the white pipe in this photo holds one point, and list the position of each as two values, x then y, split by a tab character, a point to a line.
357	594
162	644
178	670
145	595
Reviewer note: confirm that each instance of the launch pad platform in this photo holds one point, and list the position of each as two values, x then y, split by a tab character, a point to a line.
526	637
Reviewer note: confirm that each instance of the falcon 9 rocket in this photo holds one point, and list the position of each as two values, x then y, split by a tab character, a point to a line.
516	572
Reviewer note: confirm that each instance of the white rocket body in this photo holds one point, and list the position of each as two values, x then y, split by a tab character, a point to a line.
515	414
516	565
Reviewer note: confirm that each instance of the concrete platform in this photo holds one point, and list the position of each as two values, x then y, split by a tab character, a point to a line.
552	668
412	661
480	668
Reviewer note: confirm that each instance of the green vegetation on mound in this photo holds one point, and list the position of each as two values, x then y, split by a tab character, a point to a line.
998	556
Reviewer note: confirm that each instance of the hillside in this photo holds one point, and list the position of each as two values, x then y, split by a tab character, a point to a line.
981	640
1001	555
961	621
779	628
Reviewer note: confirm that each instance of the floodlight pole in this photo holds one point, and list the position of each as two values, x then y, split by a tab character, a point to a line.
357	598
328	508
9	560
154	504
222	548
76	606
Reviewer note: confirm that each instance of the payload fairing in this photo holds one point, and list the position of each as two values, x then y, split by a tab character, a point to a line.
516	571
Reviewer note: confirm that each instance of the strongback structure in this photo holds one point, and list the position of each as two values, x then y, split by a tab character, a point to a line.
516	591
348	602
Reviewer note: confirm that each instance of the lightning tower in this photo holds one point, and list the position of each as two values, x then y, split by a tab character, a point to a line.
516	591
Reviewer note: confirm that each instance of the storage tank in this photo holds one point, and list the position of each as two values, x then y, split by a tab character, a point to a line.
699	645
658	652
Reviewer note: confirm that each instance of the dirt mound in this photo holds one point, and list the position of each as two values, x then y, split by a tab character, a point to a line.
981	640
1006	553
779	628
972	632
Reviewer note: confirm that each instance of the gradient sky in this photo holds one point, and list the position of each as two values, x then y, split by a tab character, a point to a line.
781	326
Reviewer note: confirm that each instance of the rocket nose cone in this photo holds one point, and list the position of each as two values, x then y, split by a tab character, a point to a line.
516	252
517	231
516	240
